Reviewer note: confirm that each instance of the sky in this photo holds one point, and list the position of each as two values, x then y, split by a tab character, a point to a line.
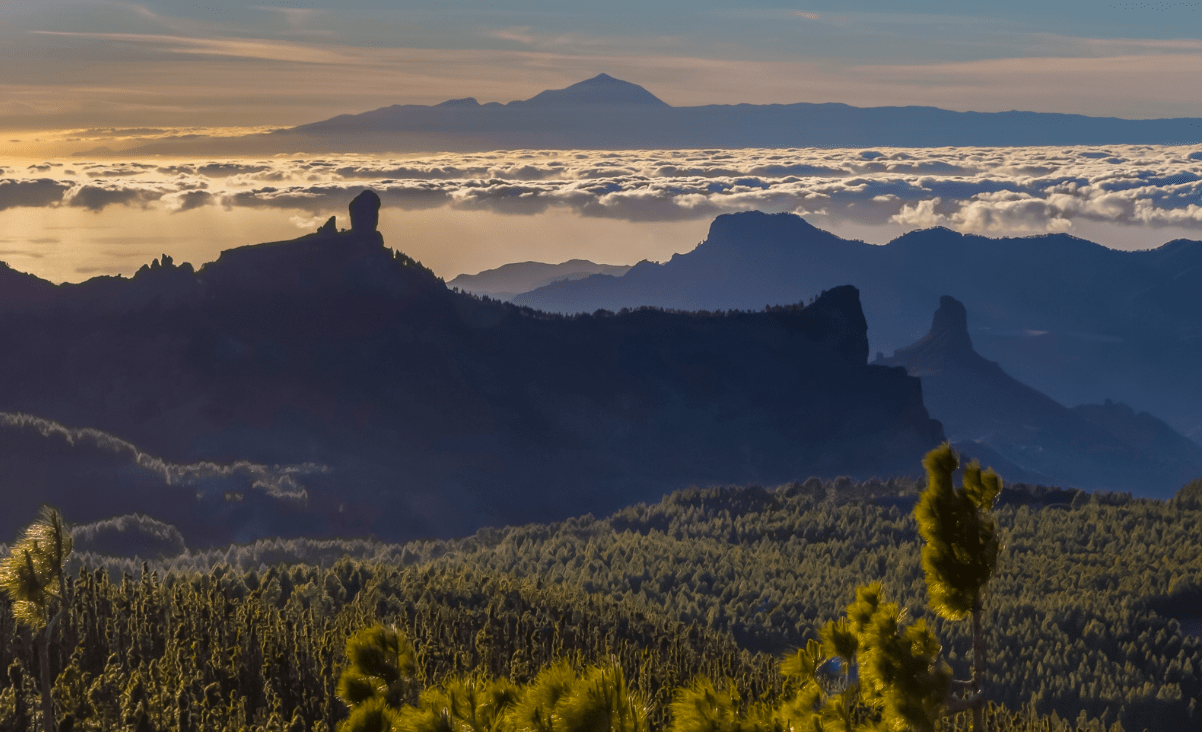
223	63
80	74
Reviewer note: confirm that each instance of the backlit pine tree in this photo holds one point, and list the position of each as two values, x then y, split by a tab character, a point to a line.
33	575
960	549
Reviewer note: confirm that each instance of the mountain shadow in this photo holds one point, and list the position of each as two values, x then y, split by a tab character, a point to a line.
1074	319
989	413
359	395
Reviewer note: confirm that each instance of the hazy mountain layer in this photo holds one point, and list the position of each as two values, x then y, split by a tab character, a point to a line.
509	280
1094	446
1075	320
389	404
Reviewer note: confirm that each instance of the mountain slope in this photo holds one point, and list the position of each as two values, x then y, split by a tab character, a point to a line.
1087	447
1074	319
403	409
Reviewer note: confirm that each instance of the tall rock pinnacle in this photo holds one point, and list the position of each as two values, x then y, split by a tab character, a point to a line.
947	343
949	327
365	212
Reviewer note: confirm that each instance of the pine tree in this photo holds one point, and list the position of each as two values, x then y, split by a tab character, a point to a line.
961	548
900	680
34	577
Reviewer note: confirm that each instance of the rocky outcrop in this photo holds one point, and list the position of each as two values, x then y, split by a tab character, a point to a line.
990	414
946	346
365	213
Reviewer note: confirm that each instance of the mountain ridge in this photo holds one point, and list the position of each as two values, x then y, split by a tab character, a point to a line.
1070	317
1089	446
423	411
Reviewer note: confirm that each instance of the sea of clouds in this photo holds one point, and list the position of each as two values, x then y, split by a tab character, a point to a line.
979	190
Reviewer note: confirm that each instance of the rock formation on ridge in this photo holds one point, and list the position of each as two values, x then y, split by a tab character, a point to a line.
1091	447
392	406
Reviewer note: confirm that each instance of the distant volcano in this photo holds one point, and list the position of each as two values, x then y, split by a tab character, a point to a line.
601	89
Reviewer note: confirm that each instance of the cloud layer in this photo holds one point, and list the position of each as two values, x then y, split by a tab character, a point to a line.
997	191
274	480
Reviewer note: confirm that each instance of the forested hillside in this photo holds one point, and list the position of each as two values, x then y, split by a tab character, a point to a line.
1094	609
1085	612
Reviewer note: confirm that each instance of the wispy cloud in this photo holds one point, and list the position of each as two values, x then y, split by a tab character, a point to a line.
253	48
277	481
518	35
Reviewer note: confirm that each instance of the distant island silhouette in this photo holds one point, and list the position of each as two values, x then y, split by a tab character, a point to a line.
608	113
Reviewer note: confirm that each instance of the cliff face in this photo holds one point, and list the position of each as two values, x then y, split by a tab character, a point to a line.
385	403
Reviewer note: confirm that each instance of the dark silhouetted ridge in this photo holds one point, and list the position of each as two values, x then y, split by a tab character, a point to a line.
749	259
19	290
1078	321
327	385
754	231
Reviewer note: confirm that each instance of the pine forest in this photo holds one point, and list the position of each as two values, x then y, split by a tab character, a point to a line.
737	608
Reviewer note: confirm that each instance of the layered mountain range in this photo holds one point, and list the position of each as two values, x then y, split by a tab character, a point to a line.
331	386
1078	321
608	113
1027	436
510	280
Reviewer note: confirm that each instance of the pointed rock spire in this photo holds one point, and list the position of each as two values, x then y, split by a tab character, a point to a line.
947	343
949	327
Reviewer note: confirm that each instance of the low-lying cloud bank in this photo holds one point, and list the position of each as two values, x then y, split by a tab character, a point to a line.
979	190
277	481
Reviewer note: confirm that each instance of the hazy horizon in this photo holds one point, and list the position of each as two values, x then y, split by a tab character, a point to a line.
80	64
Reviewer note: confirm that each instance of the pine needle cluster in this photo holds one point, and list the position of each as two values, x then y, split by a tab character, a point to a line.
32	574
558	699
869	672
